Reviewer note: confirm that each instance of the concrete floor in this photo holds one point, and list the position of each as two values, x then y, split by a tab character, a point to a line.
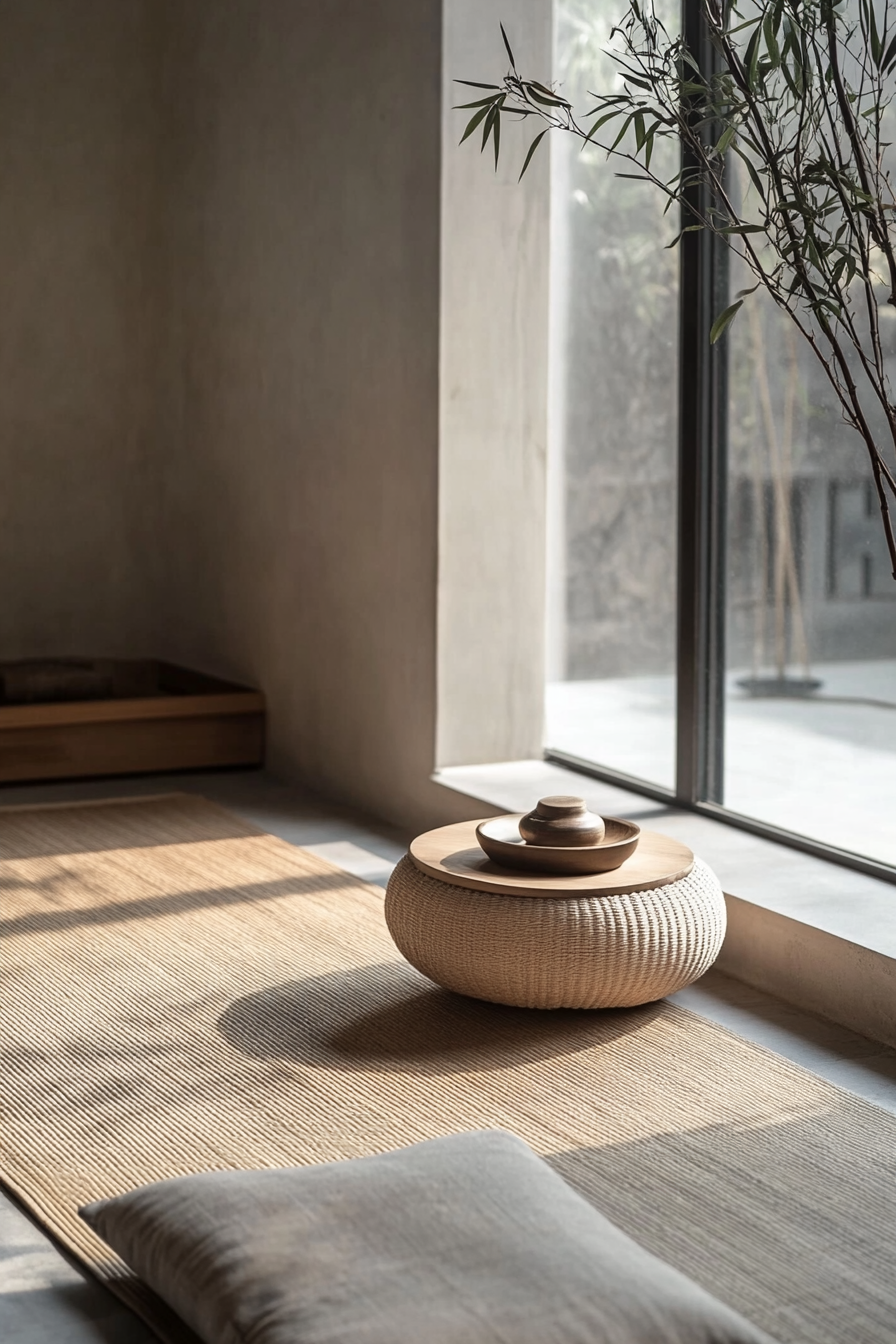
46	1300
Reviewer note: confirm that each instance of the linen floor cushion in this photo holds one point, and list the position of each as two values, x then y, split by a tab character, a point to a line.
469	1239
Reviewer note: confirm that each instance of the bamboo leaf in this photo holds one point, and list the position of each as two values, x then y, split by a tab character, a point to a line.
507	45
724	320
876	44
544	101
791	82
754	175
472	84
625	126
771	42
473	123
487	128
689	228
550	93
725	140
532	148
480	102
812	252
751	57
608	116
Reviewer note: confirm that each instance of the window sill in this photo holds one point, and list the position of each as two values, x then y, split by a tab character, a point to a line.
815	934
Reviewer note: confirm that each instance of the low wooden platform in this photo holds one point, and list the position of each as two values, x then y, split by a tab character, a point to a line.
160	717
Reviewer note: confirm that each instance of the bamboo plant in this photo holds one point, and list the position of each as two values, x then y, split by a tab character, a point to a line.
796	94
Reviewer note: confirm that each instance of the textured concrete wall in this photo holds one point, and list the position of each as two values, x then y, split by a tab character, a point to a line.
219	370
301	443
77	311
495	270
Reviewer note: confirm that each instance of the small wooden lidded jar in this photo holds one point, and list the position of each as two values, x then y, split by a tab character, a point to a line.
562	820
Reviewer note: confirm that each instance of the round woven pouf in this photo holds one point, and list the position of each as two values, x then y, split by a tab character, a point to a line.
606	951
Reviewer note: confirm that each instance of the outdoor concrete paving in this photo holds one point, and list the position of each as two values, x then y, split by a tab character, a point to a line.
824	766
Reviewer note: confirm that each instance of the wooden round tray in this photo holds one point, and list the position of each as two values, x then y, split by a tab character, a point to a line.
452	854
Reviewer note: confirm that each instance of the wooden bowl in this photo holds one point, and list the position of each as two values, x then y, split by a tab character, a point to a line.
500	838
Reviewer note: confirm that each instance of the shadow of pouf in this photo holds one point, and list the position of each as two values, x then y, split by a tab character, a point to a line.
387	1017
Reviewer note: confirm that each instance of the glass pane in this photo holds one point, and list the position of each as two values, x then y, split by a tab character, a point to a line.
810	741
613	457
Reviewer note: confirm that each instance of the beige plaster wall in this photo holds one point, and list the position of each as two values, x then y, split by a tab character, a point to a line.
494	412
77	239
301	380
219	372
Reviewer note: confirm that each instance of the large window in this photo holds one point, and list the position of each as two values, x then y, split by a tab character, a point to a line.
810	684
612	558
766	687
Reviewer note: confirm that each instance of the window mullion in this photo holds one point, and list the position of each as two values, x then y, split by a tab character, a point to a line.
702	493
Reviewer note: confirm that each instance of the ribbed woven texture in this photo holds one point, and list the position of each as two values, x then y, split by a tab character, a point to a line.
181	993
581	952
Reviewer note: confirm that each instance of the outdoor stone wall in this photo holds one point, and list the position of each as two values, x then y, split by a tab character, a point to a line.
798	477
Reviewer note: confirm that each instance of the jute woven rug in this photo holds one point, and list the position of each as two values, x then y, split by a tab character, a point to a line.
183	993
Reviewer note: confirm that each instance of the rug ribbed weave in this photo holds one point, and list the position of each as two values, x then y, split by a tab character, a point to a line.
183	993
